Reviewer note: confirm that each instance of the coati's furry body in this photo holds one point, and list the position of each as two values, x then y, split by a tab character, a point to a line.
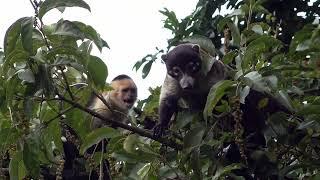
185	80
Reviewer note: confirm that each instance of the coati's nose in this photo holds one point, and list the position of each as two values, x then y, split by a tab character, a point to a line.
186	86
187	82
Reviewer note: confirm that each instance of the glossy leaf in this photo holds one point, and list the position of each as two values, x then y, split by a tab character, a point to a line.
96	136
143	172
146	69
26	33
97	71
244	93
255	80
17	169
222	171
31	156
309	109
47	5
90	33
217	91
68	28
184	118
26	75
12	35
285	100
229	57
130	143
193	139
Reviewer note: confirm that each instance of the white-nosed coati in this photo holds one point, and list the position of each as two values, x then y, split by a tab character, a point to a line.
185	80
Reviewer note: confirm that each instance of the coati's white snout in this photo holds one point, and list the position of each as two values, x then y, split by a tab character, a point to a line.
187	82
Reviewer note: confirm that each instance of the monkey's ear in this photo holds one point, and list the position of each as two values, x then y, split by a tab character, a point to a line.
164	57
196	47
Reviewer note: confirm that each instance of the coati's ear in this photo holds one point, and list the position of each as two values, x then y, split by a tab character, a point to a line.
164	57
196	47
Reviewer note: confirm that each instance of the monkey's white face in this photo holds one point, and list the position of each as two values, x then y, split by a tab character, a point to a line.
124	93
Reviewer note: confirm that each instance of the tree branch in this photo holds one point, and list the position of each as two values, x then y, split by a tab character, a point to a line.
117	123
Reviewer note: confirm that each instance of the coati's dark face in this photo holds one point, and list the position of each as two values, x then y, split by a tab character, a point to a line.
183	63
124	93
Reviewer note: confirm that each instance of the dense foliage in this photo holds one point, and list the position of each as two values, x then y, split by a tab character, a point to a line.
48	74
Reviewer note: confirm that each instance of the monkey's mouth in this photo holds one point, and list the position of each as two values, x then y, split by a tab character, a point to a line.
129	102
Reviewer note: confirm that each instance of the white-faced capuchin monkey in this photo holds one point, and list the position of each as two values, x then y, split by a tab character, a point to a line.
120	100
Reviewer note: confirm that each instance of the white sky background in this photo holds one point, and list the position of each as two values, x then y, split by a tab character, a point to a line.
132	28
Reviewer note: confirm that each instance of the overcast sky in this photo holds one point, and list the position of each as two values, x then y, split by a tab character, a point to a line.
132	28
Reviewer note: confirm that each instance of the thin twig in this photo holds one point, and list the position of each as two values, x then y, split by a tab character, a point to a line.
45	124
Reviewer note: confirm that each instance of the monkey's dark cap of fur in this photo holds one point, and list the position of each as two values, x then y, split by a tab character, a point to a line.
121	77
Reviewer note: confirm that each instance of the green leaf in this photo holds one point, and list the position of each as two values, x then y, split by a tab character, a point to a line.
229	57
244	93
143	172
130	143
222	171
255	80
17	169
26	75
97	71
8	136
12	35
215	94
90	33
309	109
196	164
284	99
86	47
304	45
184	118
207	62
193	139
278	123
26	33
257	29
146	69
14	57
96	136
235	33
31	156
139	63
47	5
68	28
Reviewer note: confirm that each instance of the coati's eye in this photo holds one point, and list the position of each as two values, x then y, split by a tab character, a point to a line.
193	67
175	72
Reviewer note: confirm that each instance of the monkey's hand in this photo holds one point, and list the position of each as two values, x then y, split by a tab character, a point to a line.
159	130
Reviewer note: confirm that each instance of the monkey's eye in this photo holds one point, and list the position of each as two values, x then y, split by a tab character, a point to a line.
175	72
125	90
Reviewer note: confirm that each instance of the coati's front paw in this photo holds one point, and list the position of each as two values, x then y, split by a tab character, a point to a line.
159	131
